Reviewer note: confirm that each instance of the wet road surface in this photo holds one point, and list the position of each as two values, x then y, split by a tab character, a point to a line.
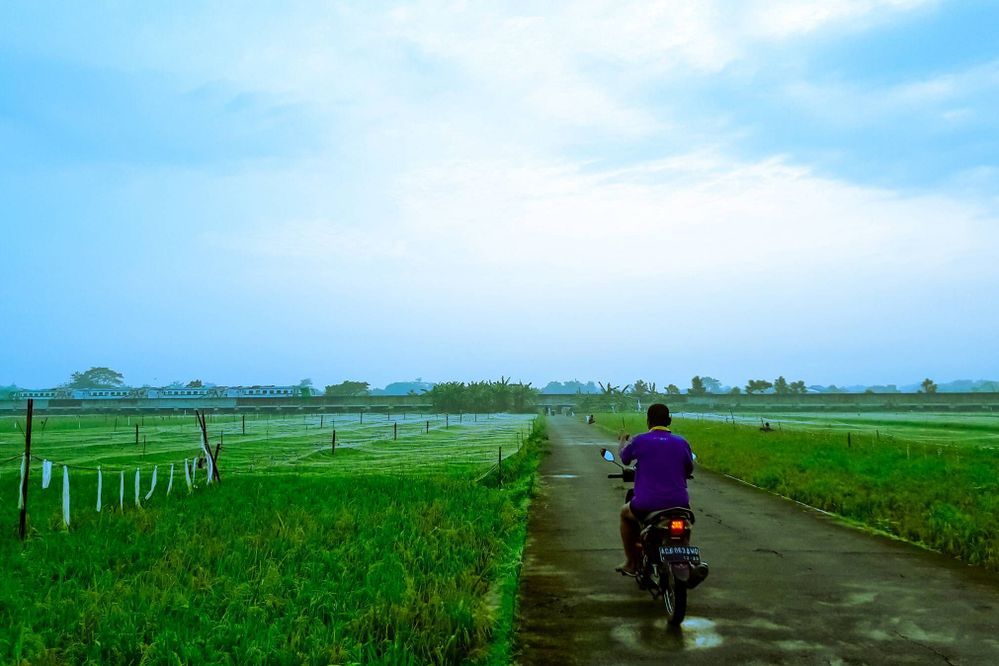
788	585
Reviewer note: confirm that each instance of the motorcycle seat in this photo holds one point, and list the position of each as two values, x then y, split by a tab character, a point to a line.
662	514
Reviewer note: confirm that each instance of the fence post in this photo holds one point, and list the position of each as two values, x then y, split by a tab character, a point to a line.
849	441
23	524
428	427
244	424
333	444
447	421
395	431
136	434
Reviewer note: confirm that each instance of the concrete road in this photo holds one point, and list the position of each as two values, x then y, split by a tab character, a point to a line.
788	585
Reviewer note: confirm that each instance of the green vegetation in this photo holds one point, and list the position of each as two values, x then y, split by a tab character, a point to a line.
933	482
96	377
483	397
414	563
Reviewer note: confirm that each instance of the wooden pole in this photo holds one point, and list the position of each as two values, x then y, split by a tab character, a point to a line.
244	424
447	421
428	427
208	449
136	434
333	443
23	523
321	419
218	447
395	431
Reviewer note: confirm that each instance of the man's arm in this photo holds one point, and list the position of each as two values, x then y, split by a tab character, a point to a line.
688	463
626	449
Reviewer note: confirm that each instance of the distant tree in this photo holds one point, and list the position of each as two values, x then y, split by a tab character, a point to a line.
447	397
347	388
697	386
305	389
523	396
735	390
712	385
928	386
672	389
754	385
798	387
610	390
194	383
574	386
640	388
780	386
96	377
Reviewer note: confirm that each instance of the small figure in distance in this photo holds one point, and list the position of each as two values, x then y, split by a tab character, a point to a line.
766	427
589	419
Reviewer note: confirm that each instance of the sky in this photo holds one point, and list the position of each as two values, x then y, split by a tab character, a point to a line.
378	191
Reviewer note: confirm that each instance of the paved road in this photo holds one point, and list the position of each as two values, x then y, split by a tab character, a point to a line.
788	584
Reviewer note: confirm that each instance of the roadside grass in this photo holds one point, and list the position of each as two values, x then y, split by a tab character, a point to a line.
943	496
274	568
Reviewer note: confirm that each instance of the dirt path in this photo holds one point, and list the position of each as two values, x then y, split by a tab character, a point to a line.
787	585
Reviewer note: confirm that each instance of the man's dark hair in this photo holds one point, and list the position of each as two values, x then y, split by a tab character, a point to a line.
658	415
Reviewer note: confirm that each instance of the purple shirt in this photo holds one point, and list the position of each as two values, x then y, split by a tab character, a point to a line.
664	463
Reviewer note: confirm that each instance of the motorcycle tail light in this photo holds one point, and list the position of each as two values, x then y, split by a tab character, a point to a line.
677	526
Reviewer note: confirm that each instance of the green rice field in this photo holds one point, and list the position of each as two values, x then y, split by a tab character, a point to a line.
402	546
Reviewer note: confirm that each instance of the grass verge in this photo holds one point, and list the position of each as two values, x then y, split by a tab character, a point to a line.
944	497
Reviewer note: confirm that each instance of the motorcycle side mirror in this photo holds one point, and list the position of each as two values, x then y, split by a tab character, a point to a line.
608	456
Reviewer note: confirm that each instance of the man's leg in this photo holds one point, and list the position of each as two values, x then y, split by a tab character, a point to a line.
630	534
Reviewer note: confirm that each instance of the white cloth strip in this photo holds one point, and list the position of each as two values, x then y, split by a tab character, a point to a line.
46	473
100	487
121	492
187	476
137	488
194	470
20	486
170	482
152	486
65	495
208	458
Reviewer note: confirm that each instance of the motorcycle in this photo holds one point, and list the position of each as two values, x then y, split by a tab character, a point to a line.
670	566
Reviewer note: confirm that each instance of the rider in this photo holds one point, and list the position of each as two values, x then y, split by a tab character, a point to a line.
665	464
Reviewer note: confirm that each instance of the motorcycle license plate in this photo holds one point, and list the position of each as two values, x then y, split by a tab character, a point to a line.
680	553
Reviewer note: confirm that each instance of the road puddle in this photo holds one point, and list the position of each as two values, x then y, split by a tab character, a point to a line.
697	633
561	476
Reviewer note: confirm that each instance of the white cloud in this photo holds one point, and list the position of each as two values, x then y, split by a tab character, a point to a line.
787	18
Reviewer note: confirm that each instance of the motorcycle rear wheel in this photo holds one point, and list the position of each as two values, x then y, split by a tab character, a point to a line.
674	594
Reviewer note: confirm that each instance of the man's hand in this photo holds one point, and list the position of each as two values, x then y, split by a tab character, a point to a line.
622	441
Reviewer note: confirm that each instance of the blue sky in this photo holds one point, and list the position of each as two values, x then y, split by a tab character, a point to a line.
605	190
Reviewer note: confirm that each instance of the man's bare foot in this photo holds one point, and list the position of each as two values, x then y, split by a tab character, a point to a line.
627	569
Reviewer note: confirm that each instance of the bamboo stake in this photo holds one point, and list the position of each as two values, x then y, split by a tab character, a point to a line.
23	522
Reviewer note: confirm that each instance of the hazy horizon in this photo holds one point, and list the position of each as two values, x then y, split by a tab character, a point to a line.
605	191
